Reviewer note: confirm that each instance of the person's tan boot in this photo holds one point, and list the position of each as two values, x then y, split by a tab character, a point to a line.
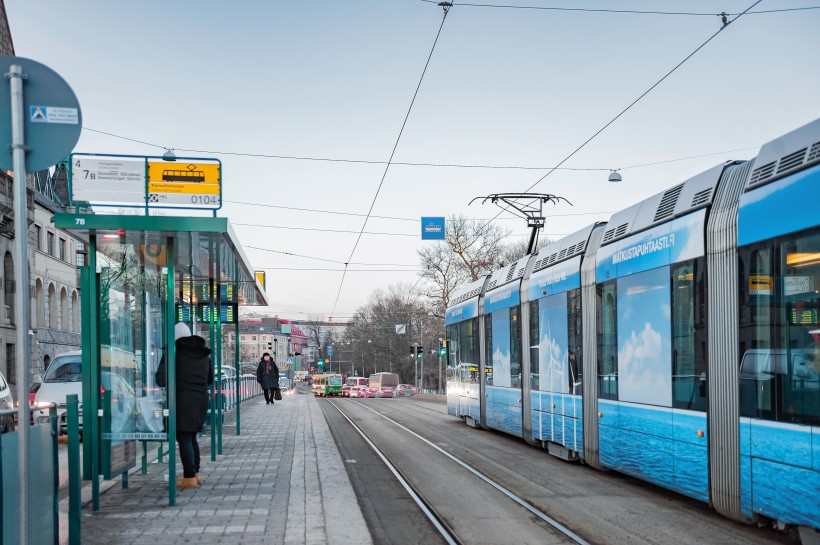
198	479
189	482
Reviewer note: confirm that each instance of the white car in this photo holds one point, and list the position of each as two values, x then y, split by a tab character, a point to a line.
65	377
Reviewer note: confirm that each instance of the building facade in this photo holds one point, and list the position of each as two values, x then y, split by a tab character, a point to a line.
53	255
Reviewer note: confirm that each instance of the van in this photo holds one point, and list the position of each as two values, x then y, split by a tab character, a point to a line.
379	380
356	381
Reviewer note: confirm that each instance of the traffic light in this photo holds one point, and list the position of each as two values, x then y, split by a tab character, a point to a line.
442	347
270	346
320	363
419	351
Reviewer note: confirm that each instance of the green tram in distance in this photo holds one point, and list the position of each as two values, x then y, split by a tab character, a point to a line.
327	385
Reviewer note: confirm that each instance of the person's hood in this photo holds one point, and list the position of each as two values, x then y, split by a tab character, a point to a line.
194	344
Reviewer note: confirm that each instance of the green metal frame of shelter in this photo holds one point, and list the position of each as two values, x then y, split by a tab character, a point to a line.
143	275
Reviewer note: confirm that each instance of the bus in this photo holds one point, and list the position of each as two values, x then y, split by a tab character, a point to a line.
379	380
356	381
327	385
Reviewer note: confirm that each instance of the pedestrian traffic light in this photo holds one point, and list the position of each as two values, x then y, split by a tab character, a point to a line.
419	351
442	347
270	346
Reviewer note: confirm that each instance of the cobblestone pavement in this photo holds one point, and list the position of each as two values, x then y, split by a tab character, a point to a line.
267	487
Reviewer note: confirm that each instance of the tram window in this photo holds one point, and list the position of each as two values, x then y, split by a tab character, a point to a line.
607	341
689	364
488	348
799	267
462	350
452	350
515	347
534	341
755	334
780	329
575	341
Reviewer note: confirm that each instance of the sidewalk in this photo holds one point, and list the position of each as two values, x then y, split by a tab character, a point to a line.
268	487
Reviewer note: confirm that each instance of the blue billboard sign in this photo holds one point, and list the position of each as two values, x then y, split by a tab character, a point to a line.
432	228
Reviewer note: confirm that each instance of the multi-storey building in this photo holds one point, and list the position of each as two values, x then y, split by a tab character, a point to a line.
53	255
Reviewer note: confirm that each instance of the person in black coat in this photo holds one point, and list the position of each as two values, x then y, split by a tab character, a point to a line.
267	374
194	374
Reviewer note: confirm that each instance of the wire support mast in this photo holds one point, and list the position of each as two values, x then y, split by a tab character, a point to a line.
534	214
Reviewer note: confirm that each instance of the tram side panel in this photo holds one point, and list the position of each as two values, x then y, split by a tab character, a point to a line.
555	333
779	338
502	329
652	419
463	359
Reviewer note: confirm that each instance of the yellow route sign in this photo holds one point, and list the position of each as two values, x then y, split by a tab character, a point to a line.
184	184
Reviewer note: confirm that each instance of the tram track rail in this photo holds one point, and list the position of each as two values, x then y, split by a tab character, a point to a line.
426	506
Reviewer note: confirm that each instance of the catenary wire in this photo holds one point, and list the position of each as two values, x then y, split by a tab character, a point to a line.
413	164
622	112
331	260
628	11
417	220
392	154
413	235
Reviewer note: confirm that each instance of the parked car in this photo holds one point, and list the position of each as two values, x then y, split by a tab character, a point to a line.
385	391
406	390
6	402
65	377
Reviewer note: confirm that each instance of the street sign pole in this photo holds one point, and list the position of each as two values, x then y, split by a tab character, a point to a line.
21	300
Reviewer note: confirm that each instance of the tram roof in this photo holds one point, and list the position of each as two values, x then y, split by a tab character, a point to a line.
197	239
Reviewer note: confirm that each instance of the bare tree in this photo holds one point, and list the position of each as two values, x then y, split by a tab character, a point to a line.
515	250
470	248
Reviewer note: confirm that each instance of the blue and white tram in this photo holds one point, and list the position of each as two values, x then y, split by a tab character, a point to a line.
463	349
678	343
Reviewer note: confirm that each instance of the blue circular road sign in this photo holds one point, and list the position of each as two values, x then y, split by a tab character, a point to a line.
53	120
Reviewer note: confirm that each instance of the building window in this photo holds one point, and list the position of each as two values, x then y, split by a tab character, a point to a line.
80	255
50	245
38	237
11	368
62	249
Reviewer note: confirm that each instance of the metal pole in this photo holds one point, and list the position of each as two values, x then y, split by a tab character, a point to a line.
238	380
21	277
439	366
415	365
171	360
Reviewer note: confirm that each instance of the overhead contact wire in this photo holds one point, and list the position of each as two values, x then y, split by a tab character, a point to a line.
622	112
392	154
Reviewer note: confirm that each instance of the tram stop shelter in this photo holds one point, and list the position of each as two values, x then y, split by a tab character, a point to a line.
143	275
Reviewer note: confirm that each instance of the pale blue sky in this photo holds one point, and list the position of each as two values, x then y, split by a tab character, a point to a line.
504	87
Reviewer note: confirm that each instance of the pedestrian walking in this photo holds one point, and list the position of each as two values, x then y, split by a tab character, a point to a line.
267	375
194	374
